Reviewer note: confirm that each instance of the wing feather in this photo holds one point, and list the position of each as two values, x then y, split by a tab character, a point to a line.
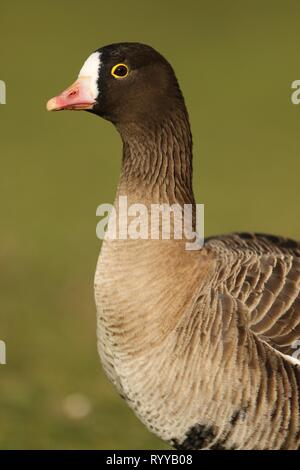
262	273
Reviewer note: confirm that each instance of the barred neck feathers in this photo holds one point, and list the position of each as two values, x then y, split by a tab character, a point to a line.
157	160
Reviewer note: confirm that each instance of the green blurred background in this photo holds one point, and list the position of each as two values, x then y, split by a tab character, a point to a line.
235	61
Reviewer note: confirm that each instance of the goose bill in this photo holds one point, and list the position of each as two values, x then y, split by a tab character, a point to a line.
77	96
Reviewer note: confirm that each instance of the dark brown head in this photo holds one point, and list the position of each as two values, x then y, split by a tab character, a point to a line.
126	82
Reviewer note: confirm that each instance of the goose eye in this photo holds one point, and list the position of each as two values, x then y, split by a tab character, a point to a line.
120	71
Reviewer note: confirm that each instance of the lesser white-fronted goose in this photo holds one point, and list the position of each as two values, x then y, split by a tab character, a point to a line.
199	343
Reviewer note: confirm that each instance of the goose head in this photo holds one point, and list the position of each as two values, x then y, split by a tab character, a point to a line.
125	82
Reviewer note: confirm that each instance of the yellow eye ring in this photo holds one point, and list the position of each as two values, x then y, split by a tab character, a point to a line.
120	71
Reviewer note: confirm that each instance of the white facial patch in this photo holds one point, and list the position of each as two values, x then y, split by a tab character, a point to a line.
90	69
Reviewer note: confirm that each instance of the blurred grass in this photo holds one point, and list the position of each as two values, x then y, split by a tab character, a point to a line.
235	62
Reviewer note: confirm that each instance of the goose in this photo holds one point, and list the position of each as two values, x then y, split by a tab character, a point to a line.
199	343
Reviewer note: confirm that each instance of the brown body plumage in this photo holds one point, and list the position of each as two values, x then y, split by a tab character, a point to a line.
199	343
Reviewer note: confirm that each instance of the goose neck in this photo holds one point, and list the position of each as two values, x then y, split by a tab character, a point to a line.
157	160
